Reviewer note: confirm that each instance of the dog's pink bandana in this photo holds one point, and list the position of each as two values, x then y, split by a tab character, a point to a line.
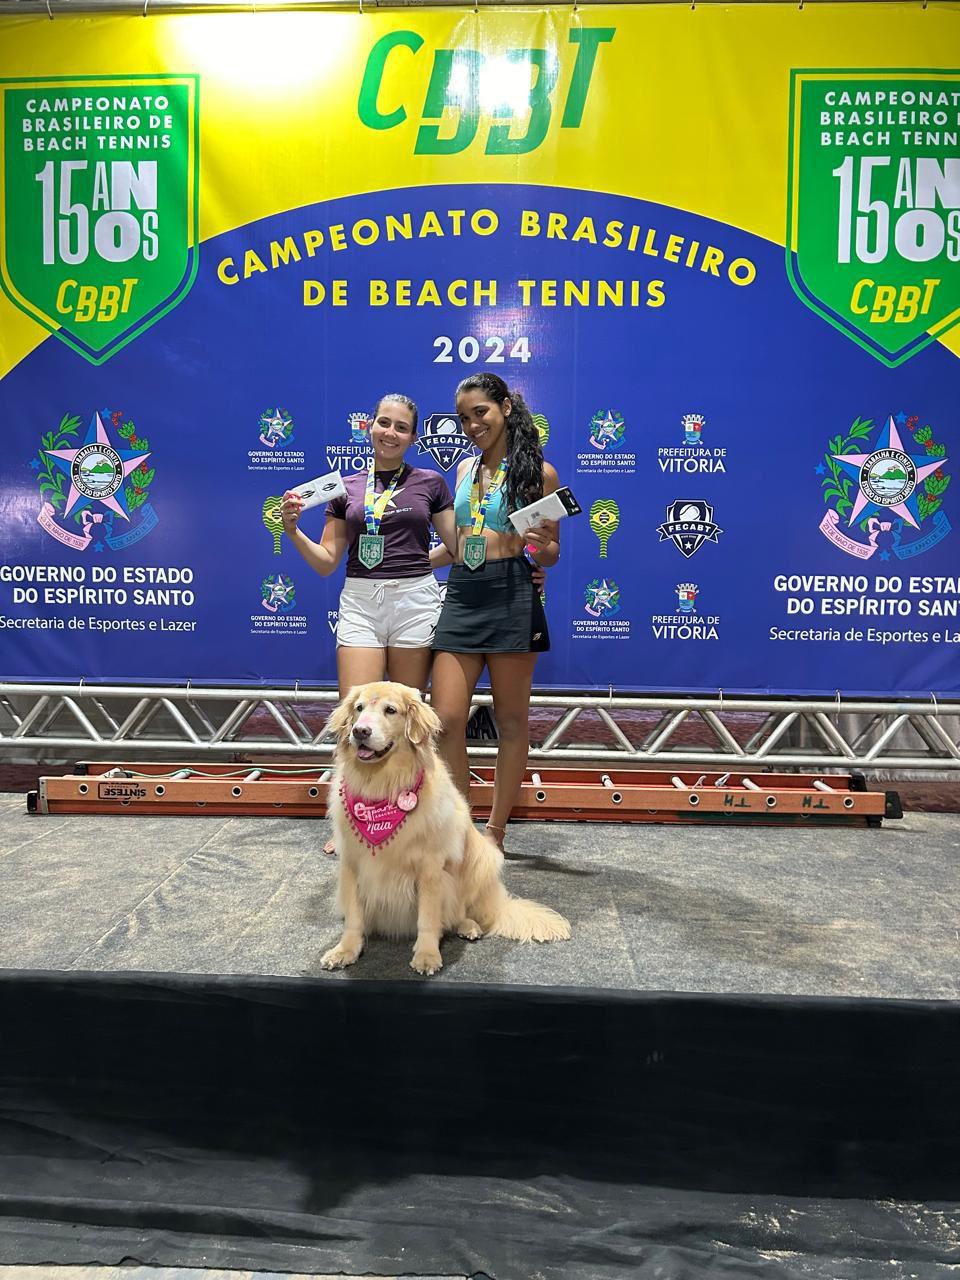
377	821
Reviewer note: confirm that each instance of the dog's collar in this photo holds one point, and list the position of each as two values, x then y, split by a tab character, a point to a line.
378	821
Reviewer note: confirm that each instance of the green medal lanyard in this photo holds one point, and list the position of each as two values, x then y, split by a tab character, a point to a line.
475	547
370	550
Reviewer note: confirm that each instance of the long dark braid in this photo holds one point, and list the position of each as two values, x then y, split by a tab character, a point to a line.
524	452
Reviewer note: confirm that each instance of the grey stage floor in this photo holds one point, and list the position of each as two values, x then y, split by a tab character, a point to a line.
860	912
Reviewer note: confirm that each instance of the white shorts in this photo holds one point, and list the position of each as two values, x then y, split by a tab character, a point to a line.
388	613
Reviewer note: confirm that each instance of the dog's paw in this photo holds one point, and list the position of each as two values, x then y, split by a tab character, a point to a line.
426	960
469	929
339	957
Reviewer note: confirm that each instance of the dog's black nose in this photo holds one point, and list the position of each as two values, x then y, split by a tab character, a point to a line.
361	732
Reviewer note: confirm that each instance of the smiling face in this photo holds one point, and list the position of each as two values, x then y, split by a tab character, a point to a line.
482	419
391	433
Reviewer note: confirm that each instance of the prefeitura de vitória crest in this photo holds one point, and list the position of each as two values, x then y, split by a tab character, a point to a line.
99	191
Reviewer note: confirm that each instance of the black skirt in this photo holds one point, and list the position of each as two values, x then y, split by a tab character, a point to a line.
493	609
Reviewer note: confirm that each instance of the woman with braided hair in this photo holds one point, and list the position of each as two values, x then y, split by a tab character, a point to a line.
493	615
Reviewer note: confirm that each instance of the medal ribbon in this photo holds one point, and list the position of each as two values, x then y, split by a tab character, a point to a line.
478	505
374	507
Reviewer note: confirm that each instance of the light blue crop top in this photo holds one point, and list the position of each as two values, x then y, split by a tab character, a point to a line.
496	518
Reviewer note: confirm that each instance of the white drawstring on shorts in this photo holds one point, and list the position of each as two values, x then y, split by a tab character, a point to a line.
380	588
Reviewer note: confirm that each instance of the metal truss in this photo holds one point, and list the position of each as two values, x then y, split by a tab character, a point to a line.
61	721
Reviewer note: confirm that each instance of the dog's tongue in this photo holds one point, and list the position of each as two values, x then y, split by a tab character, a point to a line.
365	753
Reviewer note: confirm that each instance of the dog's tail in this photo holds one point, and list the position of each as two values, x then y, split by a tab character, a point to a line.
527	921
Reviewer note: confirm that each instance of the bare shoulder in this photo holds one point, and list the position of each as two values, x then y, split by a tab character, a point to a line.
551	480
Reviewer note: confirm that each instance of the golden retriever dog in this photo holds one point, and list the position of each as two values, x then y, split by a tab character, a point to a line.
412	864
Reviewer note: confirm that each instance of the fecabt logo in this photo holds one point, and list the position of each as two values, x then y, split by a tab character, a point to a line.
96	493
602	598
442	438
276	428
689	524
888	490
278	594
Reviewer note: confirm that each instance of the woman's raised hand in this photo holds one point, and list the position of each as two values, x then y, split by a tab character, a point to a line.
290	511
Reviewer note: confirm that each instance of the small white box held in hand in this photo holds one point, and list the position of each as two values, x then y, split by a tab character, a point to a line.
554	506
313	492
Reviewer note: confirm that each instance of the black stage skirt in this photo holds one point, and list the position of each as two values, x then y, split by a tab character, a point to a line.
493	609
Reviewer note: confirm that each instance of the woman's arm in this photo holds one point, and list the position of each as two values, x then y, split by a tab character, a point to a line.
543	540
323	556
445	524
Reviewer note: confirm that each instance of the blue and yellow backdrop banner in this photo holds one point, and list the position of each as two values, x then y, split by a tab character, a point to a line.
717	249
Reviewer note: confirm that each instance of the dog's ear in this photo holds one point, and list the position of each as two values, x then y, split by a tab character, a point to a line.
422	721
339	722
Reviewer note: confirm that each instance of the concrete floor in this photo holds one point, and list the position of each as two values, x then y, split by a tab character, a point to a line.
787	910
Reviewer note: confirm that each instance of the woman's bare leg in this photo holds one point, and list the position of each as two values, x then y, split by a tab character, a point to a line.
511	678
455	677
409	666
359	666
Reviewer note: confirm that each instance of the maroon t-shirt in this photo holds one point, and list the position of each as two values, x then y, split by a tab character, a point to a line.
405	524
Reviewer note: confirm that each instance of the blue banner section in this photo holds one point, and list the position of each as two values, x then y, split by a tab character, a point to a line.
766	508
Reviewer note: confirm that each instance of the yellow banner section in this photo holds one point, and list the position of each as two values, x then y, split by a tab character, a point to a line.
687	107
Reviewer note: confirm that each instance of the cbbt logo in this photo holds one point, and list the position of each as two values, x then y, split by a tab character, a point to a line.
687	593
513	89
873	231
109	484
689	524
602	598
607	429
890	488
275	427
693	424
442	438
99	186
278	594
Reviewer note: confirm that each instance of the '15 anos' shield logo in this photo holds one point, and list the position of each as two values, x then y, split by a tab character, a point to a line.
98	203
873	234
